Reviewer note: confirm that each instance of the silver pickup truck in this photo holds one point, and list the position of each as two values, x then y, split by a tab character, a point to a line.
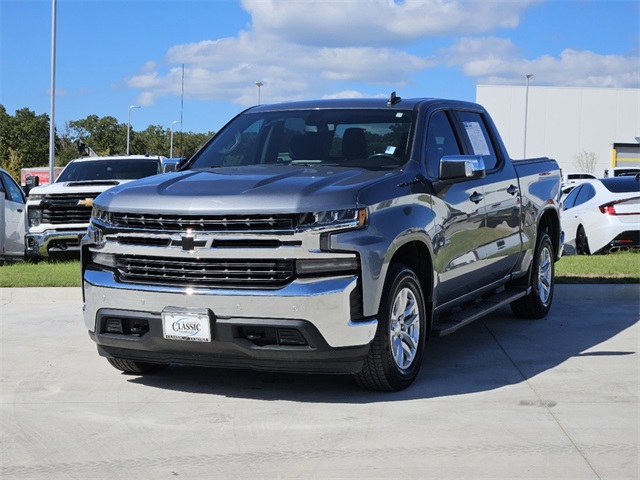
328	236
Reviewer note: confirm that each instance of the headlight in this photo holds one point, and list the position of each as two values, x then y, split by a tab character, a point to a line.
333	219
35	196
101	215
35	216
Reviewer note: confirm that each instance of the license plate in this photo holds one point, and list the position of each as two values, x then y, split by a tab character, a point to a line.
186	326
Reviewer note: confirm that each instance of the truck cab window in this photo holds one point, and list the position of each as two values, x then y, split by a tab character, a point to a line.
478	139
441	141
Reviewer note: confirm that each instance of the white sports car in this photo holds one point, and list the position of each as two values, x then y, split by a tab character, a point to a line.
602	215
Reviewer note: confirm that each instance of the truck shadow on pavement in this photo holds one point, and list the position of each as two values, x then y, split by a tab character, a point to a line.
492	353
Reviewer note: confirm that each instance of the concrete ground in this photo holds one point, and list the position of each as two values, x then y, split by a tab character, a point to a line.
500	399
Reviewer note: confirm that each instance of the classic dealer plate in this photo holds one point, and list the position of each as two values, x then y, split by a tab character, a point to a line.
192	326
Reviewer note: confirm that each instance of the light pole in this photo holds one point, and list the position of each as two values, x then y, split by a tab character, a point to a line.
526	114
129	124
52	100
171	143
259	84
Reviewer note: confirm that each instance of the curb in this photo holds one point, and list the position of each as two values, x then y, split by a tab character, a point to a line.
40	295
597	291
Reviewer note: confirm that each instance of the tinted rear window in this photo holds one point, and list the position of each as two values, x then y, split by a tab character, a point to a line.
622	184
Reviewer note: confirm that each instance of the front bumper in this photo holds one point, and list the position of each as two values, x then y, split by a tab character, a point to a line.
39	245
318	310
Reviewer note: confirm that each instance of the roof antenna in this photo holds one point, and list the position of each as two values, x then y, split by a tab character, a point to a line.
393	99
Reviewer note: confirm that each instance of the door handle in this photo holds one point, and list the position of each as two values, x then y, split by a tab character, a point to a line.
476	197
512	190
19	210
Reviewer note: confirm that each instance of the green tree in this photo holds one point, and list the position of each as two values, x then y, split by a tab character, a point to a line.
5	120
66	148
186	144
24	137
104	135
154	141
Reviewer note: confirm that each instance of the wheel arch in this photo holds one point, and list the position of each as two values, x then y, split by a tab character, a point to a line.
417	256
550	222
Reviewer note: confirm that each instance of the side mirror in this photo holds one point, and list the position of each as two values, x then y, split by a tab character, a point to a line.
459	168
30	182
174	164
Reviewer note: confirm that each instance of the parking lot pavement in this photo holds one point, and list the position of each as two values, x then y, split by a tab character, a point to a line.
500	399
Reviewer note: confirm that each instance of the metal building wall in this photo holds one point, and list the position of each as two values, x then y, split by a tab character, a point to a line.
564	121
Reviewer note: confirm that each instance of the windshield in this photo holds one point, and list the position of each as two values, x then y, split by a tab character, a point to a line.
91	170
371	139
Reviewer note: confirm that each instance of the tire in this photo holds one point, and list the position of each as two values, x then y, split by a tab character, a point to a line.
396	352
582	242
538	302
136	368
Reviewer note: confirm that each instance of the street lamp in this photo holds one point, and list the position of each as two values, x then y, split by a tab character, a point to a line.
171	143
259	84
526	114
129	124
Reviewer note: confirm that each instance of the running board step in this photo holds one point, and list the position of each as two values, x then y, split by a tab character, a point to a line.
452	321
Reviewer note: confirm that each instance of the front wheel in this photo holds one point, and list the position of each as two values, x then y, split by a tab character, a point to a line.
136	368
395	354
537	303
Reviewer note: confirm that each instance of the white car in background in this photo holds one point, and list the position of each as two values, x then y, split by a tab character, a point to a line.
12	219
602	216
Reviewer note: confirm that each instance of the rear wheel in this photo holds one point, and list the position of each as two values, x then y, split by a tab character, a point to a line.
396	351
136	368
538	302
582	243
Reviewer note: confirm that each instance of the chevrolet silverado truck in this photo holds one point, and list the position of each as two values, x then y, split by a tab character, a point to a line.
58	213
331	236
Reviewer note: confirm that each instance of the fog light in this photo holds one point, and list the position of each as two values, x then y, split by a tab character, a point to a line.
113	325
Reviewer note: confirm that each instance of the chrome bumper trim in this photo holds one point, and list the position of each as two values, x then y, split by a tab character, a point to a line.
325	303
42	240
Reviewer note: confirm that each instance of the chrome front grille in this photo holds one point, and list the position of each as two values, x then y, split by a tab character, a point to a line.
205	272
63	209
205	223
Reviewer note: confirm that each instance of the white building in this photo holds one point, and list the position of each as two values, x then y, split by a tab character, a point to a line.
562	122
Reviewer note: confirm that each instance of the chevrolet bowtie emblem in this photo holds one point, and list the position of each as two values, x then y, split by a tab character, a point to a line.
87	202
188	243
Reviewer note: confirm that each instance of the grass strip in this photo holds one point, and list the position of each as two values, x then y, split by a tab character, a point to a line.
42	274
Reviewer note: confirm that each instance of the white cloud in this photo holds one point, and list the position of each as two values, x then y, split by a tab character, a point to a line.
498	61
378	22
145	99
228	69
303	49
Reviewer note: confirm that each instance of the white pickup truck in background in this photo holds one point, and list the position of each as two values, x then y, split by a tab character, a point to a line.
58	214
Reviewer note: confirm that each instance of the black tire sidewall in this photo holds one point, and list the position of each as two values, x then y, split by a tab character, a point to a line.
399	277
542	240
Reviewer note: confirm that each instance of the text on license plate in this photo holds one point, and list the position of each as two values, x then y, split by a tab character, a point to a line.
189	326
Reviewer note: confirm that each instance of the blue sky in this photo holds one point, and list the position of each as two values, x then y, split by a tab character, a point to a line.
112	54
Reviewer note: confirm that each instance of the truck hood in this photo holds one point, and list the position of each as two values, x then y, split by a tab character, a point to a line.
91	186
243	190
